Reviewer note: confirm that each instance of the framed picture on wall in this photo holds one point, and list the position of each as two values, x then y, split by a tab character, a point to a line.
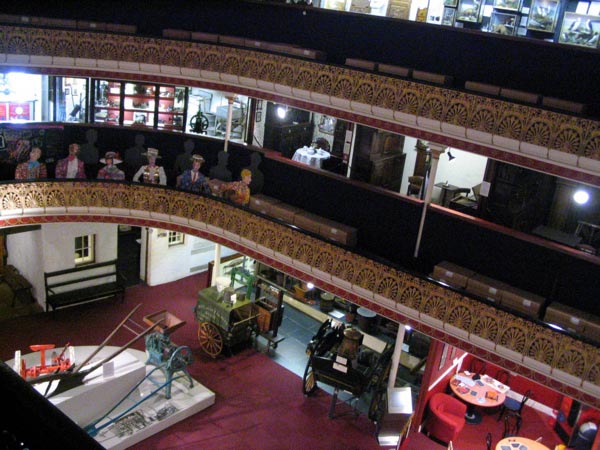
509	5
543	15
448	16
502	23
580	29
327	124
469	11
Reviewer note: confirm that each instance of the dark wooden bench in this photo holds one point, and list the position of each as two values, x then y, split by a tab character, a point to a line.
83	284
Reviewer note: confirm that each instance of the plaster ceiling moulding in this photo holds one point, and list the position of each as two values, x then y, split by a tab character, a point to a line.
214	230
430	124
591	388
454	130
150	68
190	72
129	66
479	136
178	219
109	64
482	343
197	224
301	93
20	59
246	81
232	236
405	310
506	143
140	213
119	212
210	75
77	209
362	292
384	113
301	266
359	107
247	242
160	216
563	158
509	353
320	274
566	378
455	331
534	150
283	89
38	60
593	165
268	86
384	301
432	321
229	78
265	250
170	70
55	210
320	98
340	103
341	283
11	212
86	62
537	365
404	118
284	259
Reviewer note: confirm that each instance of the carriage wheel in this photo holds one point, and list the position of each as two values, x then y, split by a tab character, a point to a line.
210	339
309	382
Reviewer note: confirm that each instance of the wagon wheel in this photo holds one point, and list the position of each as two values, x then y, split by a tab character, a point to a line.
309	381
210	339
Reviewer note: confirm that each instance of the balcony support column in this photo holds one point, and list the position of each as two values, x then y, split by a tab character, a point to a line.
230	100
436	151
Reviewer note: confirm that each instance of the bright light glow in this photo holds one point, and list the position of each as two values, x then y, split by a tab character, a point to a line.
281	112
19	110
407	327
310	285
581	197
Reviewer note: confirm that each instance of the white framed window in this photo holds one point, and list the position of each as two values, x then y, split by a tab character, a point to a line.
175	238
84	249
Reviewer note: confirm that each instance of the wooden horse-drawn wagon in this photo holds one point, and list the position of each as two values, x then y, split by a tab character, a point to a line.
224	321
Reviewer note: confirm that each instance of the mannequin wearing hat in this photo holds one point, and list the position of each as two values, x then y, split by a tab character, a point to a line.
192	179
151	173
238	192
32	169
71	166
110	171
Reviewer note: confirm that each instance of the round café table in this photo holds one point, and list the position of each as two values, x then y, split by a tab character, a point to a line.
484	392
520	443
311	156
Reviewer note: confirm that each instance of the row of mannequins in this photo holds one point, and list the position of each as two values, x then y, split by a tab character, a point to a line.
149	171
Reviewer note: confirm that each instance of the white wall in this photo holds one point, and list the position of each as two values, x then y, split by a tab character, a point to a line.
25	253
53	248
409	162
465	170
169	263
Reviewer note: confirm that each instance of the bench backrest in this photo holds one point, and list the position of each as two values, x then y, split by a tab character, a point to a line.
82	276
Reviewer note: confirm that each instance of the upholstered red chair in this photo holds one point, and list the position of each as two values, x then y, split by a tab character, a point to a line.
446	417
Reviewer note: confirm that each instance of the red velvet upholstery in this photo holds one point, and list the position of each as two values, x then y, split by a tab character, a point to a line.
446	417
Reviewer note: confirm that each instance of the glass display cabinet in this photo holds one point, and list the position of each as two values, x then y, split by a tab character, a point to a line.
107	102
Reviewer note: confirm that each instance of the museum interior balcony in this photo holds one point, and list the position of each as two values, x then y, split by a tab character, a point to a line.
528	105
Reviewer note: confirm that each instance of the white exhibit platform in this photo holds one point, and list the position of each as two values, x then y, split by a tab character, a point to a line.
106	386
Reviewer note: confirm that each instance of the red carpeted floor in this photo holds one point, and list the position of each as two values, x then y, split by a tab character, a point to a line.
259	404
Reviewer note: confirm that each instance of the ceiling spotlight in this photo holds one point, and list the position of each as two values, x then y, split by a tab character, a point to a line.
581	197
310	285
450	156
281	112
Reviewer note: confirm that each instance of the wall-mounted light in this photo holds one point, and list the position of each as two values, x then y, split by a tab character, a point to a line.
450	156
581	197
281	112
310	285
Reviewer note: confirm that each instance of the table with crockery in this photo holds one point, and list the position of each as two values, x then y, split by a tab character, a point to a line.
312	156
477	391
520	443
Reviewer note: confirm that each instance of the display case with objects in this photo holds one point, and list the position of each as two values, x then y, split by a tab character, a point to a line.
171	107
107	102
139	102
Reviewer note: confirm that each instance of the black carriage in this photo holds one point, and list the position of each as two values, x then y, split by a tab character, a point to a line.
338	359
